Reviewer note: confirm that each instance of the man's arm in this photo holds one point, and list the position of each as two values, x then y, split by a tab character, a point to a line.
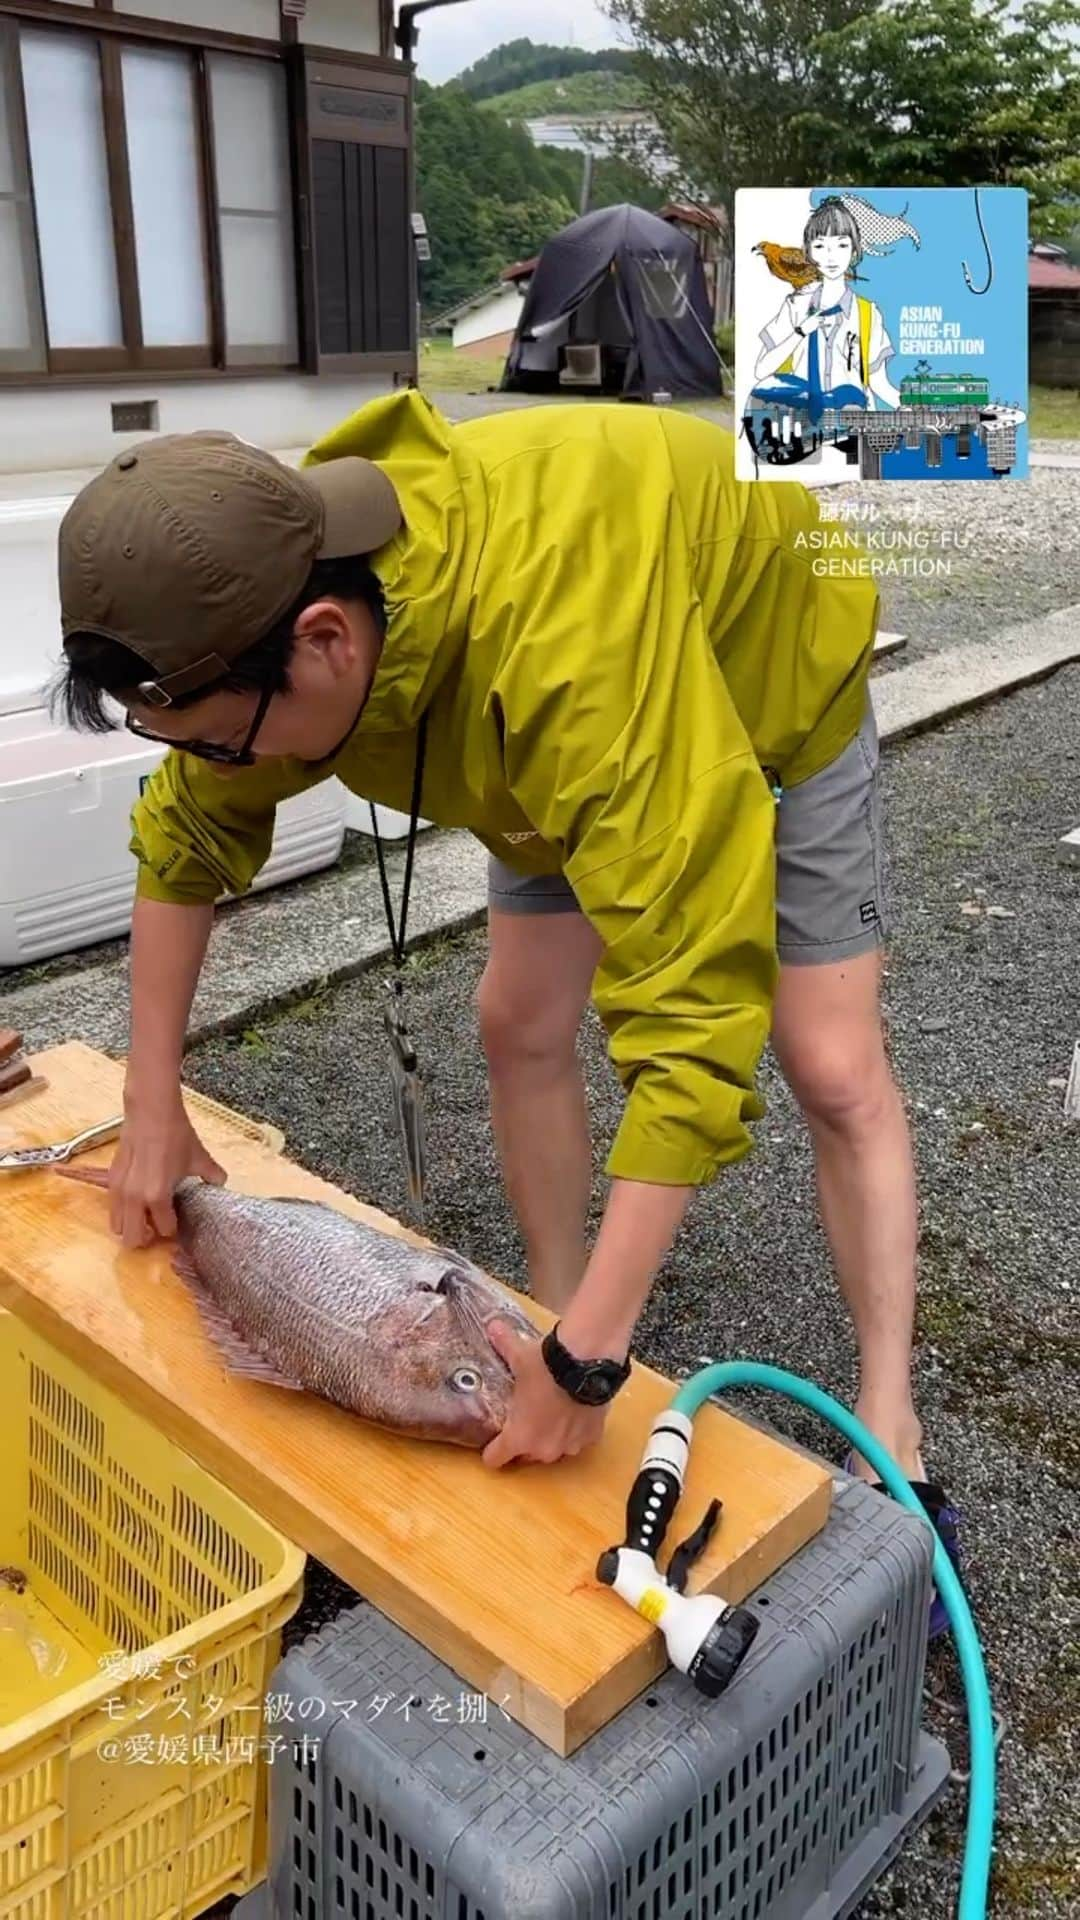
196	834
640	1222
684	991
623	746
158	1145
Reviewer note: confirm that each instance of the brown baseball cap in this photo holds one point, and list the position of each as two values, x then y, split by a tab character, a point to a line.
188	548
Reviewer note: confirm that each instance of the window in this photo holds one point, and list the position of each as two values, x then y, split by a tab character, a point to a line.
21	337
161	119
254	208
168	205
665	285
70	172
145	206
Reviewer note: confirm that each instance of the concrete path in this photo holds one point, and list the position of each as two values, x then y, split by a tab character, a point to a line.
1048	458
268	950
939	685
279	946
889	643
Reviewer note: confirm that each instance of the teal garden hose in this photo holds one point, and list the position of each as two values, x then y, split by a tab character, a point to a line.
708	1639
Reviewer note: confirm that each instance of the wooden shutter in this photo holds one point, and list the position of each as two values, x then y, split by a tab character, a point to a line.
358	238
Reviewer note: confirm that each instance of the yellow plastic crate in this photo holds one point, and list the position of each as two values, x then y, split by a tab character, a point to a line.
137	1792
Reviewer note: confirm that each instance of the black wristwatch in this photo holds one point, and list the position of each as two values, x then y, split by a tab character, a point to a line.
592	1383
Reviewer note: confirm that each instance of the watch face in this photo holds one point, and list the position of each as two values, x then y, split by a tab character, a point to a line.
592	1383
594	1390
599	1385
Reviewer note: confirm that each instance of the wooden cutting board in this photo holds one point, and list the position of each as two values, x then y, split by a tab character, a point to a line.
493	1571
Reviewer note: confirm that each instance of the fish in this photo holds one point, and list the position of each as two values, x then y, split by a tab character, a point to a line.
295	1294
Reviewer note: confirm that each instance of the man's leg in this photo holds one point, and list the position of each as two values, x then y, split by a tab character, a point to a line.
530	1001
832	923
827	1036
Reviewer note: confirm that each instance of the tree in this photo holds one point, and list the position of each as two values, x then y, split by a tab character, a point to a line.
958	93
518	229
518	63
728	80
469	163
912	92
490	196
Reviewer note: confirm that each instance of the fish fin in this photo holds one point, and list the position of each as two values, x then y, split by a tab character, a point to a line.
241	1360
87	1176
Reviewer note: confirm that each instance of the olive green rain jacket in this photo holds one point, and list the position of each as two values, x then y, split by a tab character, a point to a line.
610	636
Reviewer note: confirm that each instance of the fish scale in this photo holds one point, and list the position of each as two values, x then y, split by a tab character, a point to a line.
295	1294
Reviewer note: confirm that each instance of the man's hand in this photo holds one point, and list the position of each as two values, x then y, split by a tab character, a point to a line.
801	316
543	1423
158	1147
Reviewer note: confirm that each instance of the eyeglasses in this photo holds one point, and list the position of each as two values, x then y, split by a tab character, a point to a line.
210	749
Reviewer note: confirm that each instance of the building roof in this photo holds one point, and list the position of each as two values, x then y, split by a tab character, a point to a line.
1052	273
479	299
711	218
520	270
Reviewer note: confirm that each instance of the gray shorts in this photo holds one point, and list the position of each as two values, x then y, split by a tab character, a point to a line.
830	877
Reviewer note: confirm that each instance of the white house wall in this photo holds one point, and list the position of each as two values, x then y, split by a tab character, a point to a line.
72	428
352	25
259	17
498	316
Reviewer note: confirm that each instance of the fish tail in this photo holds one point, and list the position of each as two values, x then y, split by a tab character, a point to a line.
88	1176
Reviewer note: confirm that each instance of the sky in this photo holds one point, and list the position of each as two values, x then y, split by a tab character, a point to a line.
453	37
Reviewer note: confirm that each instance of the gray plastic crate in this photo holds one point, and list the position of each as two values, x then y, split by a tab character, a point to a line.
783	1800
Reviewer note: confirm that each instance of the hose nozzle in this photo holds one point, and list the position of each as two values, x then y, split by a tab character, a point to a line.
706	1639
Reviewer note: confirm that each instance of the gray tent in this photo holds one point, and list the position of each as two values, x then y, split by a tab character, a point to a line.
618	304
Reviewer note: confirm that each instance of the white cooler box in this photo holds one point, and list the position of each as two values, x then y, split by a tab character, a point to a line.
392	825
66	876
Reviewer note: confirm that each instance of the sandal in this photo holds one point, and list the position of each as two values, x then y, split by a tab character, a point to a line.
945	1521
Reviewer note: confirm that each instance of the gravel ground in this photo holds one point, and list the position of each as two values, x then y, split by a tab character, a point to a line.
983	1013
1003	545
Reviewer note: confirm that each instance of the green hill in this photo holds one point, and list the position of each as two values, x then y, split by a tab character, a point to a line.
489	196
521	63
601	91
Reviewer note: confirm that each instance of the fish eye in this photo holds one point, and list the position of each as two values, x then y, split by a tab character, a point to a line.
466	1380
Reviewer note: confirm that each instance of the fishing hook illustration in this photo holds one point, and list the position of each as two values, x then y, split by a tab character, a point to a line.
989	255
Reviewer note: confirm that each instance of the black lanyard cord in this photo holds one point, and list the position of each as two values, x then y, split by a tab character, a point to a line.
397	936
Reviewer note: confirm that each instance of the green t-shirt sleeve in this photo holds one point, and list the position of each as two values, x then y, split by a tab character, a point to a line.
198	833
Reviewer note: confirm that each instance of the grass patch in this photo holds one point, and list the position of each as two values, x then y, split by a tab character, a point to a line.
1054	413
445	369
